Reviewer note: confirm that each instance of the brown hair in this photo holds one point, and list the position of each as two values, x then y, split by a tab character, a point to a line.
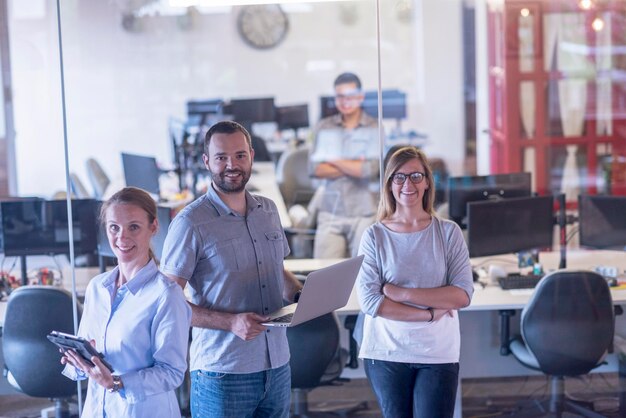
226	127
387	206
132	196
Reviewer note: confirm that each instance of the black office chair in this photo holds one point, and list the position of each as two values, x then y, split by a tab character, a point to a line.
316	360
32	362
567	328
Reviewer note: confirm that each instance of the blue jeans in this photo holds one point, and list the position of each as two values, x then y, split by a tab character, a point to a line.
250	395
413	390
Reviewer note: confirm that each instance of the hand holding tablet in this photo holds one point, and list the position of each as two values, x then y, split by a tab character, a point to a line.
80	345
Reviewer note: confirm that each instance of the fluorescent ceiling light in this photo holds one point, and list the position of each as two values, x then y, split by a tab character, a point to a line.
222	3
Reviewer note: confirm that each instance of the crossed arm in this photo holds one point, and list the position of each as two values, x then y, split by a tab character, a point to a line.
339	168
398	300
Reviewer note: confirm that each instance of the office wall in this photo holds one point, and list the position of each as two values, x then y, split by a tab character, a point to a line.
122	86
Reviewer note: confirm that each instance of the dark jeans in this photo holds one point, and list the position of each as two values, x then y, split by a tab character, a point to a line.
413	390
264	394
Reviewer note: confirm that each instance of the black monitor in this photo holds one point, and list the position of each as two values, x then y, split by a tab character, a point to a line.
292	117
39	227
328	106
164	216
394	104
602	221
198	111
249	111
462	190
141	171
510	225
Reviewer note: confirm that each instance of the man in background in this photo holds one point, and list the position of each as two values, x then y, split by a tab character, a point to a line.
345	156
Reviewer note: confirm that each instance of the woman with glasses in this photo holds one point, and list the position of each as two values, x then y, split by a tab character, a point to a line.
415	276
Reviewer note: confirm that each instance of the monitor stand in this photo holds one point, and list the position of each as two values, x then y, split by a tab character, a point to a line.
24	270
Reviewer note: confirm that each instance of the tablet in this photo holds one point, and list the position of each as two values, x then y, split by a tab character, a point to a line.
80	345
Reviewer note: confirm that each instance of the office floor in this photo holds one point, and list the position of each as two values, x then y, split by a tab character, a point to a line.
482	398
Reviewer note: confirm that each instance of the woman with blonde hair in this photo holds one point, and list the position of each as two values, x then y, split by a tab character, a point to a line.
415	276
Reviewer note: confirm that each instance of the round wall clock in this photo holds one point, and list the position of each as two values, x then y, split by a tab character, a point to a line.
262	26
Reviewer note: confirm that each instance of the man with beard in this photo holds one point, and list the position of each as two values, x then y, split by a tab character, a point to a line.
229	246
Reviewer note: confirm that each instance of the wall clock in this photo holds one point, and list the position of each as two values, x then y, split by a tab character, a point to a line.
262	26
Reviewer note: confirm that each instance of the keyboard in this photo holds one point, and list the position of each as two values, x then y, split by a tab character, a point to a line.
283	319
519	281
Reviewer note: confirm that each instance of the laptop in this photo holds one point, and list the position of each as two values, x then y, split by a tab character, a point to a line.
324	291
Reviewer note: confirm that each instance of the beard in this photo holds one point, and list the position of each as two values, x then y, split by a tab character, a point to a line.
226	186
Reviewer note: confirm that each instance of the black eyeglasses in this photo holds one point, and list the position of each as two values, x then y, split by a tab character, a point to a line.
400	178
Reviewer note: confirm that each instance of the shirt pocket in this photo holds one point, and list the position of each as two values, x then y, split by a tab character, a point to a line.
275	241
228	255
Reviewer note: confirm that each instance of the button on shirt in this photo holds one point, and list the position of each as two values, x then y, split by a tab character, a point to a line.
233	264
142	330
349	196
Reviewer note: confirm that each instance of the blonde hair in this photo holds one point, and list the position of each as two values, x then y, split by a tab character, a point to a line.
387	206
136	197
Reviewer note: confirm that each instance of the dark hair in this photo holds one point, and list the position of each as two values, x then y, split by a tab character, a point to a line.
131	196
226	127
346	78
387	205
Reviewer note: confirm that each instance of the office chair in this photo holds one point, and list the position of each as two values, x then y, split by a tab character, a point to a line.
567	328
97	177
32	362
316	360
261	153
292	176
78	188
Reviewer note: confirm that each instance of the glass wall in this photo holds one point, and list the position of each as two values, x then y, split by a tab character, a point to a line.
481	86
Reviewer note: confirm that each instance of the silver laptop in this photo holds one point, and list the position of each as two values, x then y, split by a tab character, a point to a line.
324	291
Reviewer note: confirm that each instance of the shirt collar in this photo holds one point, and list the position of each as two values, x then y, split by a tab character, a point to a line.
144	275
222	208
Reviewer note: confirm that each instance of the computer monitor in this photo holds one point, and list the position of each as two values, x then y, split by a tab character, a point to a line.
394	104
39	227
164	216
141	171
462	190
292	117
602	221
249	111
510	225
198	111
327	106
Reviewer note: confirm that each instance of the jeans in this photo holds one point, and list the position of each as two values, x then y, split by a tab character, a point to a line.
250	395
406	390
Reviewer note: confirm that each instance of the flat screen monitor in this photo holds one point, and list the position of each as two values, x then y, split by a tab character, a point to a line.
510	225
249	111
394	104
462	190
164	216
602	221
292	117
141	171
327	106
198	111
39	227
